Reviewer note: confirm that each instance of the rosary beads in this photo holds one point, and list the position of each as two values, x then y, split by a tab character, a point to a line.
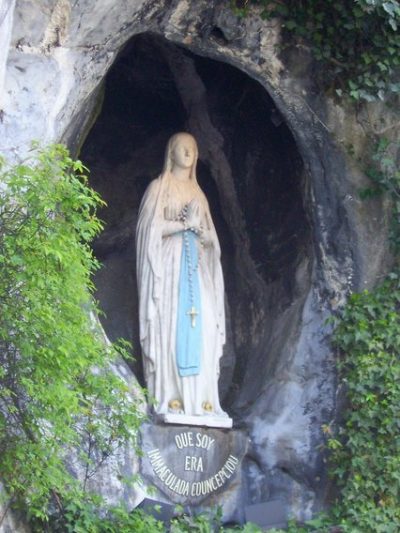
182	217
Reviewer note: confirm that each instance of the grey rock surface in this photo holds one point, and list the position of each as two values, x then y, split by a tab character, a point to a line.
279	378
6	22
10	521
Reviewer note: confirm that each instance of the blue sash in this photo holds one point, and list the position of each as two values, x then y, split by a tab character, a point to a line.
188	327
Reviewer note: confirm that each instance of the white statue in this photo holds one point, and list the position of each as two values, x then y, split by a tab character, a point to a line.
181	292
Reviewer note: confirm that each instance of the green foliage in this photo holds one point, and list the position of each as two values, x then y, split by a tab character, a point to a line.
211	523
57	391
366	451
201	523
357	41
83	516
317	525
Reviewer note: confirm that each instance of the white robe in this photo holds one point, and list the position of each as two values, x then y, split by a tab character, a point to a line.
158	271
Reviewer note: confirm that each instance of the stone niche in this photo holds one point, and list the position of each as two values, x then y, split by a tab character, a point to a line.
251	172
253	176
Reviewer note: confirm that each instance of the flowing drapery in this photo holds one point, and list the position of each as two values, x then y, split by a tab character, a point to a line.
159	258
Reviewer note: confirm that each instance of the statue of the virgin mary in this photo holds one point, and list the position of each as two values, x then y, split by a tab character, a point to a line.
181	292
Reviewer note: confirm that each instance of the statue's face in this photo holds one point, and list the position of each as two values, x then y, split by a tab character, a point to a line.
184	152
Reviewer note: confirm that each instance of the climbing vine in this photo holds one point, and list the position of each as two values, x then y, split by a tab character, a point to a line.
357	42
366	451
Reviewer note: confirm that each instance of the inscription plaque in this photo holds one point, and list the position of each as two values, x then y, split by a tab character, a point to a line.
189	464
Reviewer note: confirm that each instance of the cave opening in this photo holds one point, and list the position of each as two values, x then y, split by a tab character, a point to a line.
252	174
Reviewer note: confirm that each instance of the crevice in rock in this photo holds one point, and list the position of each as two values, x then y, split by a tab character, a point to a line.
217	34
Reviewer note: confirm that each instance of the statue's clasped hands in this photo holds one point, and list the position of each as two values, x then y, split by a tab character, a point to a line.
193	217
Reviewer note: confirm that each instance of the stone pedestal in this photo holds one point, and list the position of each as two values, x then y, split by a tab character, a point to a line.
210	421
191	464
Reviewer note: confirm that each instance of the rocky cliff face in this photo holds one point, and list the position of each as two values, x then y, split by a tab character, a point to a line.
274	163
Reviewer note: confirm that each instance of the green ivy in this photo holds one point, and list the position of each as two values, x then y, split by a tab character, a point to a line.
58	393
357	42
366	451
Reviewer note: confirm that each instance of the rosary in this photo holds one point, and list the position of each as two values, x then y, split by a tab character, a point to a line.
191	269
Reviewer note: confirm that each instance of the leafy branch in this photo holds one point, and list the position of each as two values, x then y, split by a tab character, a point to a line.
56	380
